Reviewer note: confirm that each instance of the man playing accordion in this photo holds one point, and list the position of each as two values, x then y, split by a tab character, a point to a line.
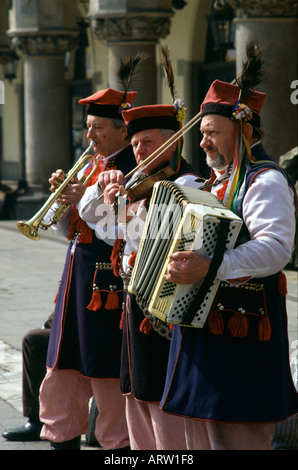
231	379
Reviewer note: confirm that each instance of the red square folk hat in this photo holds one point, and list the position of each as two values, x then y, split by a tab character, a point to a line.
159	116
223	98
109	103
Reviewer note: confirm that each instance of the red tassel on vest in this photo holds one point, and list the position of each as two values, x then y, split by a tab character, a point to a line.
282	284
114	258
216	323
264	329
145	326
112	302
96	302
238	325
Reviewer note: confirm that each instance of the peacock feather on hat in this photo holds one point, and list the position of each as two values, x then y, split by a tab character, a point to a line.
178	103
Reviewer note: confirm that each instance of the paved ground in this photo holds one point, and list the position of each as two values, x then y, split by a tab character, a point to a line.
29	277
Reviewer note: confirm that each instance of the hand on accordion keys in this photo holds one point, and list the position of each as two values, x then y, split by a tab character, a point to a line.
187	267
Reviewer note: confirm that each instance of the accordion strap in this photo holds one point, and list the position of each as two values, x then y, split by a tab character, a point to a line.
222	235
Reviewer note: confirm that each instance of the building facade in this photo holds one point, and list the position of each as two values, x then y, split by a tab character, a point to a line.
67	49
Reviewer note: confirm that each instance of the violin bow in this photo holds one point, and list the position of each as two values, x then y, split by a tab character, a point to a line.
164	146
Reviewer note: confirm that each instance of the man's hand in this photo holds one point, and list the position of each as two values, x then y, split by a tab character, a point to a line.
186	267
73	191
111	176
111	191
56	179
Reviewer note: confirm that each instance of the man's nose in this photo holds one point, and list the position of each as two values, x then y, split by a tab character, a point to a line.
140	149
205	141
90	133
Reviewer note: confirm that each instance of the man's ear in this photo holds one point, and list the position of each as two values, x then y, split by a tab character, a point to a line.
250	131
123	131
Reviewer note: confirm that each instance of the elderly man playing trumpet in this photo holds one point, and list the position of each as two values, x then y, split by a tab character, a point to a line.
85	342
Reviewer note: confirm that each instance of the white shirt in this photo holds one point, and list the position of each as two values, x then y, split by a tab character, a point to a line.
268	212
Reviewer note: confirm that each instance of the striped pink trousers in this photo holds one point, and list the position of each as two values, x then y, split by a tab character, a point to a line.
64	408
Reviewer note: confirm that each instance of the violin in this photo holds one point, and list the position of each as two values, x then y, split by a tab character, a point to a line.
143	189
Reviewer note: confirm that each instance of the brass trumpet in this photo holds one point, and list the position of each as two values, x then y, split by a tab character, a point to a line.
30	228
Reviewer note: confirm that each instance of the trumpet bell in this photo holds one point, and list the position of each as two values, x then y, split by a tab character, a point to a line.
28	230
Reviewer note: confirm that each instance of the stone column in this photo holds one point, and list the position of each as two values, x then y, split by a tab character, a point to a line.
5	51
10	153
273	25
128	27
42	32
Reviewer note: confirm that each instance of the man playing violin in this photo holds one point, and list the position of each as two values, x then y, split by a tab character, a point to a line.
144	349
144	143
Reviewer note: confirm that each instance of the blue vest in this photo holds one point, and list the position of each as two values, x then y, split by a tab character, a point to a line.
235	368
84	339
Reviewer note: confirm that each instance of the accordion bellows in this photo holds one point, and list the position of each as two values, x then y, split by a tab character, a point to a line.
180	218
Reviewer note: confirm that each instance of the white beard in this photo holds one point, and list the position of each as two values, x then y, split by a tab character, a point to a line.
218	164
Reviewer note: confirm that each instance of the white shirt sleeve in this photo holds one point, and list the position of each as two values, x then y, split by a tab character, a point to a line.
98	215
62	226
189	180
88	204
268	212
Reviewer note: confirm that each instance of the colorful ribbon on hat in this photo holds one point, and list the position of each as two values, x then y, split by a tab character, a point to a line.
241	149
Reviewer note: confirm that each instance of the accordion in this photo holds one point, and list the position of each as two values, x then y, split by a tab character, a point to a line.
180	218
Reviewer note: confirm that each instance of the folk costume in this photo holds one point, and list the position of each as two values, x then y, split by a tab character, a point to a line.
146	347
232	378
85	342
